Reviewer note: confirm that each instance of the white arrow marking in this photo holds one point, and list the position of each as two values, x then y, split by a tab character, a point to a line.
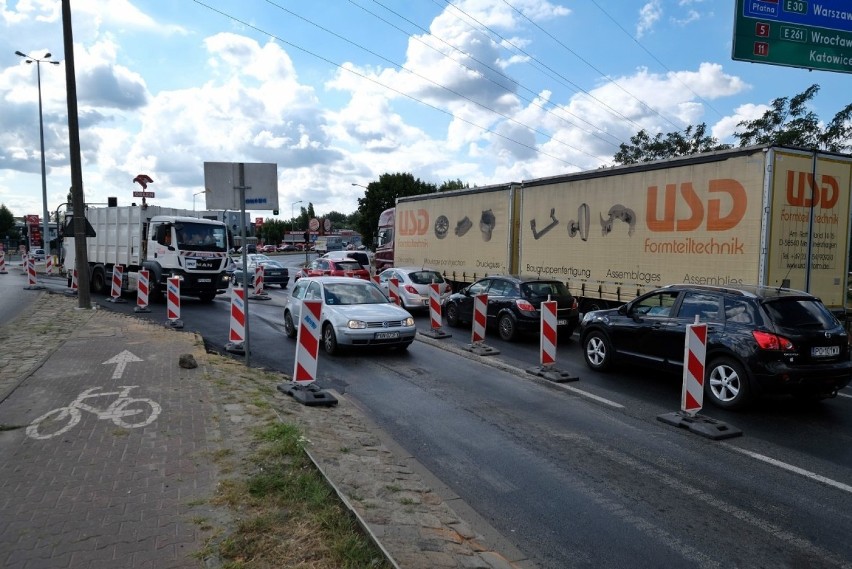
121	361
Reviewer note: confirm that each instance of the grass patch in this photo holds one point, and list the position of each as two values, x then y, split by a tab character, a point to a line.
288	515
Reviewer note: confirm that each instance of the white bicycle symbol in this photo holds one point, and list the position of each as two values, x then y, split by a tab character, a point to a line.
58	421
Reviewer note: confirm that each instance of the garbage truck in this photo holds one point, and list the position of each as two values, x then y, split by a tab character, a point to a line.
767	215
167	242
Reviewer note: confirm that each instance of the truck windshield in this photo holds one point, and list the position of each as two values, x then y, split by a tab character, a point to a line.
201	237
385	236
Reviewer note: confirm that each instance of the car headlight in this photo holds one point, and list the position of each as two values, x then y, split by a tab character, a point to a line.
408	321
356	324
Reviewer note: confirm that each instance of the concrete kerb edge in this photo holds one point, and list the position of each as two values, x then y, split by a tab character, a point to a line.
45	356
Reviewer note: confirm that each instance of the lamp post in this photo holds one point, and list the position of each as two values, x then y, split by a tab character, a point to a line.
293	218
45	59
360	186
197	194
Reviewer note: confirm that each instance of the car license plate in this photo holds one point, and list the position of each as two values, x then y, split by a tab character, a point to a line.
204	280
386	335
562	322
825	351
274	273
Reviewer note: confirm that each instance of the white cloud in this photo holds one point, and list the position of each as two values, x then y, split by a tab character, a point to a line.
649	14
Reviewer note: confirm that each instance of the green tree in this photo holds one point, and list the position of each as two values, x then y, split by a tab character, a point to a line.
7	224
788	122
644	148
382	195
272	231
452	185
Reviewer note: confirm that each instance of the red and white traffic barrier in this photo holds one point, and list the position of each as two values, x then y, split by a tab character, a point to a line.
694	354
692	394
258	280
32	280
376	279
3	270
393	291
435	306
74	285
548	333
142	290
117	279
435	330
237	333
49	265
480	305
307	343
173	303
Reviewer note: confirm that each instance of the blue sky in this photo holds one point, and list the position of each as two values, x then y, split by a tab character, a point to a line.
339	92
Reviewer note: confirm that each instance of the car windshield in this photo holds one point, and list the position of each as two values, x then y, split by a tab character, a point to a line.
800	313
353	293
348	265
425	277
201	236
543	289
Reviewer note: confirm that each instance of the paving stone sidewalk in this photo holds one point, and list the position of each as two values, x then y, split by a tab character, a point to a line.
104	495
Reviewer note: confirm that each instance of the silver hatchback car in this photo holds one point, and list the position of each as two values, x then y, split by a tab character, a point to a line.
355	312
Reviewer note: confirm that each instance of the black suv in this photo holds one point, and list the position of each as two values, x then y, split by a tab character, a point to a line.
514	305
759	339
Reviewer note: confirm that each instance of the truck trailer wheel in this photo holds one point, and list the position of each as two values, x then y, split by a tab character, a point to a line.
98	285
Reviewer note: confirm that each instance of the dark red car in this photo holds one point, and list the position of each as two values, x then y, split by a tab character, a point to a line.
335	268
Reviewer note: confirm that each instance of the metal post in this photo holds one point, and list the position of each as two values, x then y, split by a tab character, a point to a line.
242	188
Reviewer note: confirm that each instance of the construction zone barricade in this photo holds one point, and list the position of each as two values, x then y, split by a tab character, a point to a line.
547	352
3	270
115	290
142	290
32	278
393	291
73	287
173	304
48	269
477	343
692	394
303	386
259	293
237	328
435	331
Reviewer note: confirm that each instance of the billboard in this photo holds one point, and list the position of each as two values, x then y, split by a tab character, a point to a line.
222	182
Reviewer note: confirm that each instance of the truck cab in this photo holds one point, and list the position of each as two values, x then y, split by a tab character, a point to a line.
384	240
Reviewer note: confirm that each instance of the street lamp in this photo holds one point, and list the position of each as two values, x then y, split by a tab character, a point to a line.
293	218
360	186
45	59
197	194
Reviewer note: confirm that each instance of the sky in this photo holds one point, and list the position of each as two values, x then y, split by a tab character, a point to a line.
339	92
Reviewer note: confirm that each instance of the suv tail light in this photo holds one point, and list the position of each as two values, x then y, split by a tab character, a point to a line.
767	341
574	304
524	305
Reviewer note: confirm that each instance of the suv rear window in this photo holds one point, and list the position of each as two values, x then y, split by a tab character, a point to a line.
800	313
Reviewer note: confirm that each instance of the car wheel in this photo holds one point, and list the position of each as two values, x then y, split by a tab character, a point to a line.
506	327
597	351
329	339
289	328
452	315
727	384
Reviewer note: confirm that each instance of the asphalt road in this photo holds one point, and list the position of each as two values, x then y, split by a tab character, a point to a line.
583	474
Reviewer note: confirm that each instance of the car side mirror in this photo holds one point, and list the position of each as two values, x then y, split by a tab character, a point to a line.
622	310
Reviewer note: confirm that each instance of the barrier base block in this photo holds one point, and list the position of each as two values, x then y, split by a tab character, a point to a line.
236	347
34	287
176	324
436	333
481	349
309	395
263	296
139	309
117	300
551	373
71	293
4	272
701	425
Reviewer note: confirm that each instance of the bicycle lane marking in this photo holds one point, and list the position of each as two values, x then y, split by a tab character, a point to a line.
115	412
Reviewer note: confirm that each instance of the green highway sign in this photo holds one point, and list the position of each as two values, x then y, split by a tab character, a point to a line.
795	33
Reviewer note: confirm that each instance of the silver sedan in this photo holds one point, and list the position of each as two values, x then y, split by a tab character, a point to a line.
354	312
